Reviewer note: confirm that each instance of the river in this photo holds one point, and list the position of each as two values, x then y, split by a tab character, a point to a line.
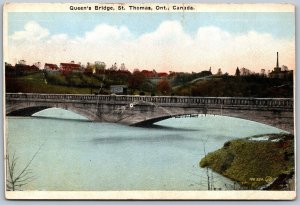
76	154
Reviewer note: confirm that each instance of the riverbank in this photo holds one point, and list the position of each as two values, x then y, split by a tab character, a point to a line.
257	162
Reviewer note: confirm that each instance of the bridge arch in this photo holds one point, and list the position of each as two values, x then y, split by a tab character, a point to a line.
24	110
280	120
152	121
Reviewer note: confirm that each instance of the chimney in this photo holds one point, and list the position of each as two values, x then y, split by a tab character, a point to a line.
277	64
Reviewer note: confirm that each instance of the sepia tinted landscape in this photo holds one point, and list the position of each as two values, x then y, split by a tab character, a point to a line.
150	101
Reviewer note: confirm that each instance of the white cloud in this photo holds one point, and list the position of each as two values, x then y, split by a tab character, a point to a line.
168	47
106	32
32	32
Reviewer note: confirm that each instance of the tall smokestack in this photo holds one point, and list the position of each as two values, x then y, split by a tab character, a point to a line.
277	64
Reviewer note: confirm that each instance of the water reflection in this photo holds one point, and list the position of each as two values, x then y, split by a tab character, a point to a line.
163	127
164	138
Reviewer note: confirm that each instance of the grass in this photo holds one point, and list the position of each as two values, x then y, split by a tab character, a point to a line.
35	83
253	163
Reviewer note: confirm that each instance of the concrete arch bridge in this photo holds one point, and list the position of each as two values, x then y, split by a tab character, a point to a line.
139	110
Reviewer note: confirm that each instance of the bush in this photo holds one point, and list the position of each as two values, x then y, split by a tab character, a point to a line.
56	79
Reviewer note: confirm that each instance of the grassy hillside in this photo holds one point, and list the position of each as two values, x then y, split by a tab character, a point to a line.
181	84
232	86
254	161
36	83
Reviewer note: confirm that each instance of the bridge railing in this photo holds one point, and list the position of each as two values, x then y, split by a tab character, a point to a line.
157	100
226	101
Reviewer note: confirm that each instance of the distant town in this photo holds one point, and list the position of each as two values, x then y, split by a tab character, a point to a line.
98	78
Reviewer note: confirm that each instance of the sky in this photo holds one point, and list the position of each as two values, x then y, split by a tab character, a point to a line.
177	41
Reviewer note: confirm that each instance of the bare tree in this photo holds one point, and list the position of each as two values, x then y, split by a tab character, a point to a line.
207	170
14	180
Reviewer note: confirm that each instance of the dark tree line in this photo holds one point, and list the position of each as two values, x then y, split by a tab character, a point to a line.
243	86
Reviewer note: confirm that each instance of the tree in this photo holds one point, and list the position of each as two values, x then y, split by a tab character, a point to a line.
163	87
219	73
100	65
91	68
207	170
136	80
263	72
123	67
245	71
14	180
136	70
237	71
22	62
114	67
38	65
284	68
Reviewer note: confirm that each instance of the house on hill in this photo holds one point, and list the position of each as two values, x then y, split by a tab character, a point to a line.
21	68
21	62
148	74
34	68
52	67
70	67
162	75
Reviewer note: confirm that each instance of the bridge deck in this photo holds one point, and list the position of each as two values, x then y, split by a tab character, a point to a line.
181	101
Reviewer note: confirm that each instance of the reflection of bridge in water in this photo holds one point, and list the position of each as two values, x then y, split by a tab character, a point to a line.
137	110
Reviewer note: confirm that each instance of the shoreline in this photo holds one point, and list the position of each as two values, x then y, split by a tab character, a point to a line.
260	162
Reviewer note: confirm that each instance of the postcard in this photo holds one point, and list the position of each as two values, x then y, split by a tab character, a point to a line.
149	101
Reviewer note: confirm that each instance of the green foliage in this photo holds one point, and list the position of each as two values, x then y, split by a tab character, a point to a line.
183	78
241	86
136	80
252	162
163	87
36	83
118	77
72	79
212	86
183	91
55	78
90	81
